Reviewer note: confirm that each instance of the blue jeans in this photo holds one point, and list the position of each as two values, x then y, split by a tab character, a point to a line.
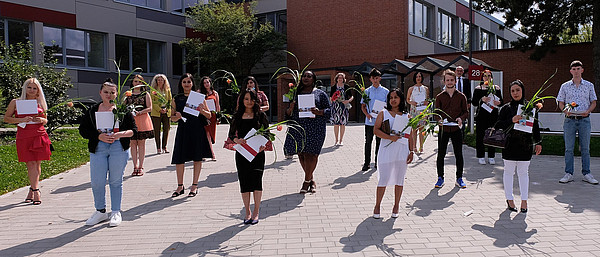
109	159
582	127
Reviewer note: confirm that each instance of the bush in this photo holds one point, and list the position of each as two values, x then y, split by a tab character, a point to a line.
18	66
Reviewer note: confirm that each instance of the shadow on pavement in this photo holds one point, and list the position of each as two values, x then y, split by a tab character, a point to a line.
433	201
217	180
509	232
371	232
13	205
356	178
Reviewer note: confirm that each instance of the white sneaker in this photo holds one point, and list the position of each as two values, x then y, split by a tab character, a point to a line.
567	178
96	218
115	219
482	161
590	179
491	161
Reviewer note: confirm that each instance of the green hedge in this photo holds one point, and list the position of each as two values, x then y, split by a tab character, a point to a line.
70	151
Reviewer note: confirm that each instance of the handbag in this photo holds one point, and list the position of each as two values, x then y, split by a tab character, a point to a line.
495	138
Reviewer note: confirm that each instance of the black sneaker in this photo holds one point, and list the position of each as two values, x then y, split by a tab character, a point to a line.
366	167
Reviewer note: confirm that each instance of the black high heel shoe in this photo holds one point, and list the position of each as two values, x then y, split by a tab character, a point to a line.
305	187
313	187
29	200
193	193
38	202
176	194
523	210
512	208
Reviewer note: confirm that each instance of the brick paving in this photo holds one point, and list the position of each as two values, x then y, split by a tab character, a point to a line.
563	219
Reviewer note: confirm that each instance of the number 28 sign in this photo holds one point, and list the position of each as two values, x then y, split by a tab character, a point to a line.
475	72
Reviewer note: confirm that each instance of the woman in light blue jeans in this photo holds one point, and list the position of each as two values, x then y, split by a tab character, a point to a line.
109	152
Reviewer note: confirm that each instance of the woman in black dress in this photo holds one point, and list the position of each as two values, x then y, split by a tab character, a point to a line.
485	119
308	143
249	116
191	140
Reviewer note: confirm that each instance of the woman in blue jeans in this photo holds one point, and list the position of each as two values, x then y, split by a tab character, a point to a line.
109	152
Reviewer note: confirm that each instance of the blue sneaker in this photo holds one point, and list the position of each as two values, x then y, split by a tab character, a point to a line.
440	182
460	183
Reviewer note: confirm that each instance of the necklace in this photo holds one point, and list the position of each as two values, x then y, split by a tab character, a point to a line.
247	115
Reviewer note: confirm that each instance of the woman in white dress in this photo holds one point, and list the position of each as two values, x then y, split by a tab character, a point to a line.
394	152
417	98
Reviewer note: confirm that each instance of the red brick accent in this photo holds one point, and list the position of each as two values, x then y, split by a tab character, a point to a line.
28	13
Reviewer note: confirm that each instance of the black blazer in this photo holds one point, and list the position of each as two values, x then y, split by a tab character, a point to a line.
87	128
466	84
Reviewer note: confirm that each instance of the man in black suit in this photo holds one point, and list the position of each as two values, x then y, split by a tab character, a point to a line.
464	86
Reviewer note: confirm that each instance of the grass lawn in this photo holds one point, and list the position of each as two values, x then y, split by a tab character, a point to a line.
70	151
552	145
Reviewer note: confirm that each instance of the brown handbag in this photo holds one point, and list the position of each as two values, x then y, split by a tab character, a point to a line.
495	138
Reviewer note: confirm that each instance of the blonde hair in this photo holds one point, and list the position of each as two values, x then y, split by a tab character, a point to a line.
41	99
166	85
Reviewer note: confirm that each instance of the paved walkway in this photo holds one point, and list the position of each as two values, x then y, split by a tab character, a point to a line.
563	220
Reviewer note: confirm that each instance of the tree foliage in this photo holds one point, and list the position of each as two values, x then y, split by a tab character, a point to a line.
585	35
18	66
232	40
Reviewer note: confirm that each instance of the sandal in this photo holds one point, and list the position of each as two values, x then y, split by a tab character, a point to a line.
165	150
313	187
135	172
178	193
305	187
140	172
158	151
193	193
29	200
38	202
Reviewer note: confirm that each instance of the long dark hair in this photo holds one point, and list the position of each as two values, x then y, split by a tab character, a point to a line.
302	86
241	108
202	88
138	76
179	85
401	106
245	83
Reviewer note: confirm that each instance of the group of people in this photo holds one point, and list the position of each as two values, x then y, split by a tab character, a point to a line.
109	151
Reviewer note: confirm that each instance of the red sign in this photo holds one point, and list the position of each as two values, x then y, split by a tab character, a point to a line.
475	72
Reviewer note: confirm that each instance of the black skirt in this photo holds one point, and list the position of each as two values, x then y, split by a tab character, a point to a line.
250	173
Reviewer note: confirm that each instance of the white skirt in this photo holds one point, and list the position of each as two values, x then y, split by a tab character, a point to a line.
391	163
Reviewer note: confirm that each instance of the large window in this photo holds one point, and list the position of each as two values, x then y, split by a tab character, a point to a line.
419	19
486	40
447	29
502	43
181	5
157	4
277	19
75	47
13	32
134	53
464	35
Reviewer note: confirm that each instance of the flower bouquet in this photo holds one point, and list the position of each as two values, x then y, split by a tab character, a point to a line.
527	111
162	98
423	120
572	107
295	74
491	93
229	79
360	88
340	98
121	109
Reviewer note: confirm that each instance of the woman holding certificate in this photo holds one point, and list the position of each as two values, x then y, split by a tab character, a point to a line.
248	116
487	98
212	101
312	114
109	152
417	98
161	111
519	146
191	140
33	143
143	106
395	151
340	101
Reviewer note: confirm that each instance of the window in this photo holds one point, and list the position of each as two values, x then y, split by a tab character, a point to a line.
156	4
485	42
178	57
502	43
13	32
464	35
134	53
446	29
277	19
77	48
419	18
181	5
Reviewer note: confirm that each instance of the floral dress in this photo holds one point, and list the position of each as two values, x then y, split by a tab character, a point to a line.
142	121
339	112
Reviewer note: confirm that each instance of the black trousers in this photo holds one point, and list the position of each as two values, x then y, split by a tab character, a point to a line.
369	142
443	139
482	125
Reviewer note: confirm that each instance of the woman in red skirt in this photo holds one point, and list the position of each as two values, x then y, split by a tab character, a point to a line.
33	143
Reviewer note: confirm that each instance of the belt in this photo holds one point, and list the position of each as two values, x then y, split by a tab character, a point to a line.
576	117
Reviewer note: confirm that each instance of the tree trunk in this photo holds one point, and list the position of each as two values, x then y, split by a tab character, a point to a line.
596	42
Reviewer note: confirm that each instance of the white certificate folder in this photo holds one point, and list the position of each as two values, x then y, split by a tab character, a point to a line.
305	103
192	105
252	146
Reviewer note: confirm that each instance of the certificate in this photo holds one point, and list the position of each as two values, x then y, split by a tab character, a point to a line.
210	103
105	122
305	103
490	106
27	107
377	107
192	105
449	123
525	125
252	146
400	123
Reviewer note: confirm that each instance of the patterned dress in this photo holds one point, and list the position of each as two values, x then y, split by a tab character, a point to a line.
142	121
309	140
339	112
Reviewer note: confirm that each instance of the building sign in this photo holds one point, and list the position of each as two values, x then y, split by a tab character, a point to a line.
475	72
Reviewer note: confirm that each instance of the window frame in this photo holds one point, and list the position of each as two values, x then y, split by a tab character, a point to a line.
145	70
86	48
425	23
6	33
451	26
162	4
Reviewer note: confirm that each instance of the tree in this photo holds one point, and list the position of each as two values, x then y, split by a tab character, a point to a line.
233	39
585	35
18	65
544	21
